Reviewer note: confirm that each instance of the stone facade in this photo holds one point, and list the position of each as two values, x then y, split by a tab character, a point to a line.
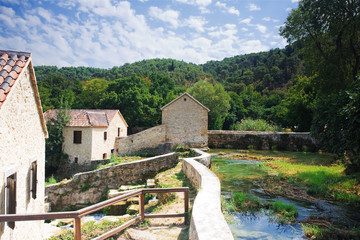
294	141
186	121
89	187
151	140
22	138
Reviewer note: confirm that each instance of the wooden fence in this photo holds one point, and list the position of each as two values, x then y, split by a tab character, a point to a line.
76	215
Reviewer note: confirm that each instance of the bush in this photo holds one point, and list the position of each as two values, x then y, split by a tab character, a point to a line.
254	125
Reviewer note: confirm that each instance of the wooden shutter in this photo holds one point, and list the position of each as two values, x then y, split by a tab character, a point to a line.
11	198
119	130
77	136
105	135
33	179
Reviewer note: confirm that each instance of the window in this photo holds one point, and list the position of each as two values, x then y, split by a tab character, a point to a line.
105	136
105	156
76	159
77	137
119	131
33	179
11	197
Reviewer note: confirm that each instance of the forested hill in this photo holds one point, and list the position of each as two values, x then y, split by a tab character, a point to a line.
253	86
272	69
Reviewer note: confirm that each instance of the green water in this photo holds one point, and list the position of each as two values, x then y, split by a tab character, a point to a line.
242	176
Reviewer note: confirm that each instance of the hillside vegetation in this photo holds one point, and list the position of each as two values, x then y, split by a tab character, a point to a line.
312	84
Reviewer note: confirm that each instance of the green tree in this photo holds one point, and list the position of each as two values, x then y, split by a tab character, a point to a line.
54	155
132	97
93	91
328	33
337	125
215	98
300	103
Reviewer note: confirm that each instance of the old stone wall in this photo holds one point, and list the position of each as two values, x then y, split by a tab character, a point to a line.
294	141
186	122
89	187
207	220
22	140
151	140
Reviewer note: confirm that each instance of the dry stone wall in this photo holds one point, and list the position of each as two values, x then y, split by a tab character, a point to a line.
294	141
90	187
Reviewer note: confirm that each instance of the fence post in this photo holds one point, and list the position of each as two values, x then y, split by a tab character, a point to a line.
142	206
77	229
186	204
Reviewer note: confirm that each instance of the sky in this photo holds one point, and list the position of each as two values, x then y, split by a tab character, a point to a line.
107	33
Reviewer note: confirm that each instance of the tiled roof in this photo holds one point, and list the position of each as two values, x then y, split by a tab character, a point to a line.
86	117
11	65
185	94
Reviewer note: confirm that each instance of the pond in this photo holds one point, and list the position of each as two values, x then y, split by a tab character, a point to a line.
241	175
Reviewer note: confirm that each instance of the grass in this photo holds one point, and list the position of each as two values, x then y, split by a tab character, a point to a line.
242	202
319	173
90	230
284	212
119	160
245	203
321	181
329	232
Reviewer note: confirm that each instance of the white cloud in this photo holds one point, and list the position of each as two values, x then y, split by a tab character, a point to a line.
253	7
112	33
231	10
261	28
269	19
288	9
169	16
203	3
246	20
17	2
196	23
294	1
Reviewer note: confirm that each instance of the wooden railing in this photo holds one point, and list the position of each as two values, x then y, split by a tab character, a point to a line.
96	207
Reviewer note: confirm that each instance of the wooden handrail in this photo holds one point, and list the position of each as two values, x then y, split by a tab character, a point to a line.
76	215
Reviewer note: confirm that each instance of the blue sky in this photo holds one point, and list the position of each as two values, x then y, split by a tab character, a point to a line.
107	33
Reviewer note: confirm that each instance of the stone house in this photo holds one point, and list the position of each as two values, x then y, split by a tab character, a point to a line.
186	121
22	146
90	134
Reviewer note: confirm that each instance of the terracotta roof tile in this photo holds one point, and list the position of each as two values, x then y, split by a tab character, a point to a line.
17	69
13	74
7	68
4	56
86	117
3	73
2	62
11	65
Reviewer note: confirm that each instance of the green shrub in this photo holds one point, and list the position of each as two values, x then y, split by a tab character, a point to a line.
51	180
254	125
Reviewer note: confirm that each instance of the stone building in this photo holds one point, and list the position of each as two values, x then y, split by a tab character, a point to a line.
90	134
22	146
186	121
